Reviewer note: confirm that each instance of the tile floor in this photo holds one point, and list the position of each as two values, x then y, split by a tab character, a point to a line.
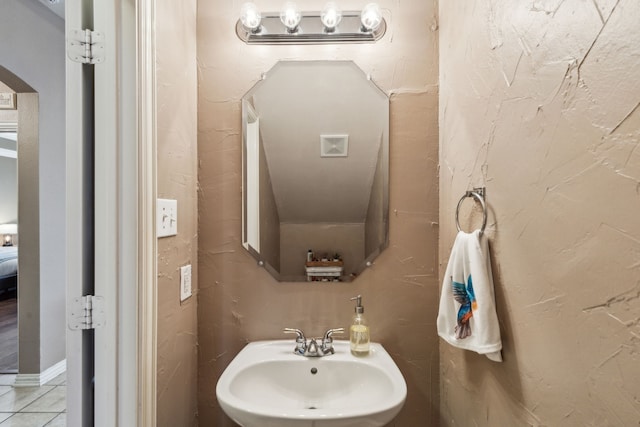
33	406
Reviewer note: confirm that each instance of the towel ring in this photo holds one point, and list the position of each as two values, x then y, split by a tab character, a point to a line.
478	194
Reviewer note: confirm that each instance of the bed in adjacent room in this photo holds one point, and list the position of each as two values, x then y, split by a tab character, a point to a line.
8	271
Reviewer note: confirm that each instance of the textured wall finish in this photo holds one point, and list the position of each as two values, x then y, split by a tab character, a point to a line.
177	175
239	301
540	103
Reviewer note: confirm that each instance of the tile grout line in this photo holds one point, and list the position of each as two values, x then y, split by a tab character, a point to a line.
32	401
56	415
22	411
51	387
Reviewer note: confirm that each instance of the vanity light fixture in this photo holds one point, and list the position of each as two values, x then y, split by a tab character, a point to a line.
250	17
290	26
331	16
290	17
371	17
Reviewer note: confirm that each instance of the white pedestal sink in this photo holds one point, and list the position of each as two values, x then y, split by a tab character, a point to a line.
266	385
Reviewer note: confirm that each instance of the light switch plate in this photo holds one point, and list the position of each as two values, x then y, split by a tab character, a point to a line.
185	282
166	217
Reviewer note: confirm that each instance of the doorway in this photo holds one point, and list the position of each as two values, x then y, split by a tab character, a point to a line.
8	234
40	156
125	386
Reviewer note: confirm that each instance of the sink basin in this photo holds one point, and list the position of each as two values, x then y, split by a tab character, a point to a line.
266	385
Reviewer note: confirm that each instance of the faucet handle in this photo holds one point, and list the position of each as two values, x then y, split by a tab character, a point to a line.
301	341
294	331
327	341
327	335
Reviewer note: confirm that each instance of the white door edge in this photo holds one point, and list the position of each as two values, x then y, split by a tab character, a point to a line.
147	194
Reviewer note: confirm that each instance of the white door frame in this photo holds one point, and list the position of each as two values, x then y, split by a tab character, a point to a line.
78	213
125	192
147	194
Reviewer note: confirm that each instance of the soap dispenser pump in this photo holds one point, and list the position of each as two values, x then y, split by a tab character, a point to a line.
359	330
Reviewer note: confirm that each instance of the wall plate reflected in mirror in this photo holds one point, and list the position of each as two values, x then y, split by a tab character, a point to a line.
295	199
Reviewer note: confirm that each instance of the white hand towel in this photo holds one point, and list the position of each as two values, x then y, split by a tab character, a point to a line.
467	317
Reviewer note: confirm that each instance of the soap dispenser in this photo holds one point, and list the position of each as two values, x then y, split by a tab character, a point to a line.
359	330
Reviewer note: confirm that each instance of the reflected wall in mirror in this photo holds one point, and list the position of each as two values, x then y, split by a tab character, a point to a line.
315	170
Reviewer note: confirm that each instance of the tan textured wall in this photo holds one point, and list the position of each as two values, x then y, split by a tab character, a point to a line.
177	179
540	104
240	302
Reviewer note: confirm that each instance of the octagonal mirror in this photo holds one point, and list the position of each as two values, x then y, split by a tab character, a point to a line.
315	171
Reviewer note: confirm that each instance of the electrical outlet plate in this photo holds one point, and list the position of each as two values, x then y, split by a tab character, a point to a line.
166	218
185	282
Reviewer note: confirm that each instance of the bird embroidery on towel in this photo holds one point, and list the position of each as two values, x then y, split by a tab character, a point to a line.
467	300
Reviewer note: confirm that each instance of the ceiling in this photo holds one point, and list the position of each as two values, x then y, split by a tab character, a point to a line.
296	103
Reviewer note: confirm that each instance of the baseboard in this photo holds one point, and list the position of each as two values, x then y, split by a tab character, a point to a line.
36	380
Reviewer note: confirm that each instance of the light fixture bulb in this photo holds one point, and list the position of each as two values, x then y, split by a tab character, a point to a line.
371	17
290	17
250	17
331	16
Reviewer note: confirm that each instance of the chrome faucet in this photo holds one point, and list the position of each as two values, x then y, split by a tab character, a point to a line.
311	348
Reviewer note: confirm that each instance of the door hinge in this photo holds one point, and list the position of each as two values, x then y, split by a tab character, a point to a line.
85	46
86	312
